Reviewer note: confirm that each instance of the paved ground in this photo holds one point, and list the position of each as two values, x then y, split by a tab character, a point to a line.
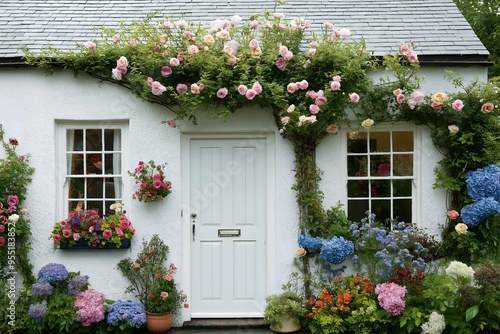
221	331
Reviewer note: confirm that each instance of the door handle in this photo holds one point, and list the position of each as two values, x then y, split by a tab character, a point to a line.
193	227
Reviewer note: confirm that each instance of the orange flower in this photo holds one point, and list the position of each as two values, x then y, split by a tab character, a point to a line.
310	302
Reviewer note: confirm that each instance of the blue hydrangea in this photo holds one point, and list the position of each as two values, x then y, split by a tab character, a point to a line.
484	182
53	272
336	250
126	312
41	289
76	284
38	310
474	214
310	243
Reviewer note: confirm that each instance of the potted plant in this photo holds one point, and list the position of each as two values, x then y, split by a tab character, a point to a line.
87	229
152	283
284	312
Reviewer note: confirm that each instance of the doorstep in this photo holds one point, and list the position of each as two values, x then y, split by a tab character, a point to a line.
225	323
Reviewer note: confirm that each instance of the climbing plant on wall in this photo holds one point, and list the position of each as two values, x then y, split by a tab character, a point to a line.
312	83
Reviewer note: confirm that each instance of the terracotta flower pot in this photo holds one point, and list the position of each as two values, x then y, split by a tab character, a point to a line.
158	323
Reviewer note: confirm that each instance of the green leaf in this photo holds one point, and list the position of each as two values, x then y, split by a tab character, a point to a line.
471	313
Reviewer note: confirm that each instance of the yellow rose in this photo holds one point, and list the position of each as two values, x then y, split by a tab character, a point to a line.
300	252
367	123
461	228
439	97
256	52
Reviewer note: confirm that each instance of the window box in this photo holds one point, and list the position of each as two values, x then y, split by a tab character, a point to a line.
83	244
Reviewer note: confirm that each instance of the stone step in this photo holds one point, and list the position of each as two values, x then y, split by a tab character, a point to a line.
226	323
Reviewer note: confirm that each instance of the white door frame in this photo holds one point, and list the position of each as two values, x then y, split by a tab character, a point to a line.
264	138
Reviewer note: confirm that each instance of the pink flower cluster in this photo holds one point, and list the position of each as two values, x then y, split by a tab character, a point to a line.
89	307
407	50
319	99
250	93
120	69
12	201
391	297
285	56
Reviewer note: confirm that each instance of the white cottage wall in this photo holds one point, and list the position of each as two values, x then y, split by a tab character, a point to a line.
32	102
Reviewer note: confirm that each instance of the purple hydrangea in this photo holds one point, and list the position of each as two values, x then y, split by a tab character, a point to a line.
41	289
53	272
336	250
38	310
76	284
310	243
475	213
126	312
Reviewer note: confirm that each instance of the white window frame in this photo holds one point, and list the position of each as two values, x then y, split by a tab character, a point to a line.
417	155
62	184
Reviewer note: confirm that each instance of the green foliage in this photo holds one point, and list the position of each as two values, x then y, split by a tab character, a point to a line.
15	176
287	304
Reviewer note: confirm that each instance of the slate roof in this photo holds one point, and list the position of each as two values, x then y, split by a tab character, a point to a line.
436	26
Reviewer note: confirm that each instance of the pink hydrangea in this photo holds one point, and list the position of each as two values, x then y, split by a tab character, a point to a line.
391	297
89	307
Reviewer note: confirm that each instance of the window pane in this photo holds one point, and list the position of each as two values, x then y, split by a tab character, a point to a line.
93	140
76	187
380	165
357	165
402	210
94	164
403	164
76	165
402	141
381	188
357	188
73	204
109	139
382	210
380	142
356	209
75	142
95	187
401	188
112	163
357	143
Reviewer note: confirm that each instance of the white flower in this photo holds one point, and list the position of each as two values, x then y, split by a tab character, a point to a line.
459	269
291	108
435	325
14	218
279	15
367	123
116	207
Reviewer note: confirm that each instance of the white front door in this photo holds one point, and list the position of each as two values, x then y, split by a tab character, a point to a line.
228	216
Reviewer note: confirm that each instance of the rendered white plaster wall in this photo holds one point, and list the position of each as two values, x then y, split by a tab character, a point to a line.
30	102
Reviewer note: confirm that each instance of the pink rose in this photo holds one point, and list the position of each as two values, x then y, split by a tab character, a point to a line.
2	228
63	223
164	294
292	87
337	78
157	88
56	237
137	265
150	82
193	50
12	200
166	185
66	233
125	224
222	93
119	231
174	62
457	105
332	128
254	44
156	184
242	89
302	85
320	100
453	129
312	52
166	71
344	33
396	92
76	236
168	277
202	86
287	56
281	63
400	98
354	97
254	24
257	87
2	241
335	85
181	88
250	94
283	50
314	109
107	234
171	122
90	45
487	108
453	214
